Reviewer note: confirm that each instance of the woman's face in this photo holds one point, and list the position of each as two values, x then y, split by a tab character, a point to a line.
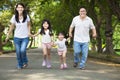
45	25
20	9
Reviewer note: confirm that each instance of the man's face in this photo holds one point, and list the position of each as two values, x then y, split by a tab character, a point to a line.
82	12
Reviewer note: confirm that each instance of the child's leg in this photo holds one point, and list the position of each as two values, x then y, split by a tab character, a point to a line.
48	54
64	56
64	59
48	58
44	54
61	59
48	51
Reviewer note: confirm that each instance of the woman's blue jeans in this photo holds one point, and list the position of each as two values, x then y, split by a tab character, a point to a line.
21	46
80	48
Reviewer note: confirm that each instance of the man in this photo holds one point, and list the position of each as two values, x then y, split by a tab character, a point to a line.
82	24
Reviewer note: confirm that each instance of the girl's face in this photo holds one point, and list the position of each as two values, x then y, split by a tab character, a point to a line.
60	37
20	9
45	25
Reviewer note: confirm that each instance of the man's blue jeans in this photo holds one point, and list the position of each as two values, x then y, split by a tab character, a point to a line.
21	46
80	48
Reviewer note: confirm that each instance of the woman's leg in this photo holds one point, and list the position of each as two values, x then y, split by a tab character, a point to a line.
23	49
17	43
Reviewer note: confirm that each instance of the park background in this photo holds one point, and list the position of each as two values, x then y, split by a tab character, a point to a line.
105	15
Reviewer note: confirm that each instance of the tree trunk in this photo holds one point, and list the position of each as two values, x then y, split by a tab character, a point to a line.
115	7
99	41
97	21
109	33
1	31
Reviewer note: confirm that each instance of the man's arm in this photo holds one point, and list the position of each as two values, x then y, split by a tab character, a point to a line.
70	31
94	35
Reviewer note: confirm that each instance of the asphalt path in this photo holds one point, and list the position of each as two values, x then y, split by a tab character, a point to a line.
95	69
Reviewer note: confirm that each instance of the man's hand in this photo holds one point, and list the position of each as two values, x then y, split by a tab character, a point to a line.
94	35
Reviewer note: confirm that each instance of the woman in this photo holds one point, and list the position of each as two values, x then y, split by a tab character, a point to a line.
21	23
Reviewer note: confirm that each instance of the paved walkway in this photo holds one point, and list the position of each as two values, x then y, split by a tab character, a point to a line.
95	70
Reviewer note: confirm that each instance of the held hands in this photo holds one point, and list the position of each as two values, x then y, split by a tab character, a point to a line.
30	35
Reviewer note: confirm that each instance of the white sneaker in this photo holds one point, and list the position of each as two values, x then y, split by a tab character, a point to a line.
48	64
65	66
44	63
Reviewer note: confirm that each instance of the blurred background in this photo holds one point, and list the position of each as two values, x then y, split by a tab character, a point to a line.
105	15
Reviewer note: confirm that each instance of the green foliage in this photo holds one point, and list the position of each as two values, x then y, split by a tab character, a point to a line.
116	37
5	16
61	12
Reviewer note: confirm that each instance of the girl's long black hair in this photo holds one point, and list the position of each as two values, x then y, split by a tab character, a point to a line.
49	27
17	14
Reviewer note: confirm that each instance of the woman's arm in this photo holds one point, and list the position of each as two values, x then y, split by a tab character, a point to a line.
12	26
29	29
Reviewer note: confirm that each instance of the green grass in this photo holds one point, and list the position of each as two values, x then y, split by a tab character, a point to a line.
118	52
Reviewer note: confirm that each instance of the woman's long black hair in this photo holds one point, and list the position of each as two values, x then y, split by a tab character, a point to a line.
17	14
49	27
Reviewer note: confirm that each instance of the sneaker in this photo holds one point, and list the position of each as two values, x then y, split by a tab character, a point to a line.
82	68
61	66
25	66
75	65
44	63
48	65
65	65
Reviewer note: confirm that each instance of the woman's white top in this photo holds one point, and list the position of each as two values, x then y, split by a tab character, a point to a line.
61	44
21	30
46	38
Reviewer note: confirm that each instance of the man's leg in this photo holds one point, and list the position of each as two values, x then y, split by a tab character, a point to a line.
84	54
77	51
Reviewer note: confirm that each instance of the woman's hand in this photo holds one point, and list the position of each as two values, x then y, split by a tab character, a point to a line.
30	35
